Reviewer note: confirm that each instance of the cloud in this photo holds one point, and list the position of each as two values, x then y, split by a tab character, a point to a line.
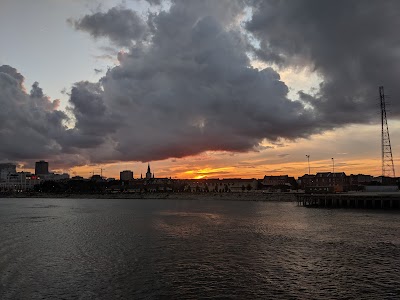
120	25
154	2
189	90
184	83
346	42
30	124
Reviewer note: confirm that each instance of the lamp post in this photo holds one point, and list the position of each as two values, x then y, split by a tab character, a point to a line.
308	160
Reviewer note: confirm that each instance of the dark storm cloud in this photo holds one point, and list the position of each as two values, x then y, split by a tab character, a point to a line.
189	90
93	122
120	25
185	83
29	124
154	2
352	44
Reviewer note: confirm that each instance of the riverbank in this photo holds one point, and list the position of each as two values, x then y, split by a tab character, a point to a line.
247	196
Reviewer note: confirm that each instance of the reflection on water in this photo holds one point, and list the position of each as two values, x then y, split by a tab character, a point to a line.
185	224
145	249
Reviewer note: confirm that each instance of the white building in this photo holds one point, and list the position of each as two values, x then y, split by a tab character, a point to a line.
20	181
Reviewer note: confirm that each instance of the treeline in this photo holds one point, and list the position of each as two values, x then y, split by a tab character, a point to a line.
72	187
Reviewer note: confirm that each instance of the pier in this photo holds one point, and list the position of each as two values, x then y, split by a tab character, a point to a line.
356	200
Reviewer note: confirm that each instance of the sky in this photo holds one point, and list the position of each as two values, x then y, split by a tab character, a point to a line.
198	88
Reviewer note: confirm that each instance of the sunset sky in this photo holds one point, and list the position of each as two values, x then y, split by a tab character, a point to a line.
198	88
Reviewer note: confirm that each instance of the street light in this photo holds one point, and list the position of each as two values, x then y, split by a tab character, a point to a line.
308	159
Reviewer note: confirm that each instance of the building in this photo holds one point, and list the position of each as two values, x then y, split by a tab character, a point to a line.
360	179
238	185
20	181
6	169
384	180
148	173
126	175
97	178
281	180
41	168
220	185
339	181
307	180
54	177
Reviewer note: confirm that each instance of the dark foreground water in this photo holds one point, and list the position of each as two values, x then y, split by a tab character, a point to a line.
151	249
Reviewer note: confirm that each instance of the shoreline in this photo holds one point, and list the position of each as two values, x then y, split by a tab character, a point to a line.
247	196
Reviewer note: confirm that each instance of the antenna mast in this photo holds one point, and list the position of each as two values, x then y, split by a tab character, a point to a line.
387	157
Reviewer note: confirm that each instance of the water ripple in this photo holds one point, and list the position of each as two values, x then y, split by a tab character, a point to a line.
152	249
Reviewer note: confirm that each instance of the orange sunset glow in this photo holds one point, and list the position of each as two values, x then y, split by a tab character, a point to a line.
289	157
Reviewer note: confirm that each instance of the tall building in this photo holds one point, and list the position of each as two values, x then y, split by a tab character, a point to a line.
148	173
6	169
126	175
41	168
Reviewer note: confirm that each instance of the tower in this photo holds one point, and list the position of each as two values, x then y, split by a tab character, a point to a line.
148	173
387	157
41	168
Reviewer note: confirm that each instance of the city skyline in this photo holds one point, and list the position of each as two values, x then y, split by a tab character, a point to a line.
138	173
201	89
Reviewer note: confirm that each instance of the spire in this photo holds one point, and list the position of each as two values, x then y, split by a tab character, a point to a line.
148	173
141	176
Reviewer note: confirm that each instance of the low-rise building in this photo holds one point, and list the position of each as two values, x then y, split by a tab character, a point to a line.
384	180
339	181
307	180
21	181
360	179
54	177
239	185
279	181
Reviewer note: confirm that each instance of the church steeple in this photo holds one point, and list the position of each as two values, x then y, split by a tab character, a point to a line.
148	173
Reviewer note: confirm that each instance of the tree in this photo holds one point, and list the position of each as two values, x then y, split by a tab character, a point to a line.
226	188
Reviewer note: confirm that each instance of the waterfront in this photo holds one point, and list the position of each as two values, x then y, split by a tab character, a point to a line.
149	249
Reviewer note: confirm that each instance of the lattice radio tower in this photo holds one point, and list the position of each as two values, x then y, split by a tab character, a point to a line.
387	157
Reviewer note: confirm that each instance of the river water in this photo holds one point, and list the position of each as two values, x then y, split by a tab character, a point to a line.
177	249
